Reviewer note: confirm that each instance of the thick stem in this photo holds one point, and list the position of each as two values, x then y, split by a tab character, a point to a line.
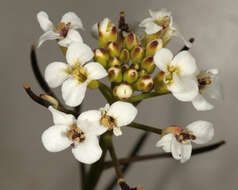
134	159
106	92
145	128
138	98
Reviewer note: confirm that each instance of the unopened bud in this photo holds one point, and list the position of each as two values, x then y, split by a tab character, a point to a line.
101	56
124	67
130	41
115	74
130	76
172	129
113	49
50	99
135	66
142	73
107	32
159	84
123	91
114	61
94	84
124	56
144	84
153	46
148	64
137	54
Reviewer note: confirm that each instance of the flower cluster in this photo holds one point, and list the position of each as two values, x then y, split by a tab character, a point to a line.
138	67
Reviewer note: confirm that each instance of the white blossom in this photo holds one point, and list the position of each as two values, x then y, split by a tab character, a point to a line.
65	32
111	117
178	141
180	73
161	20
76	75
66	132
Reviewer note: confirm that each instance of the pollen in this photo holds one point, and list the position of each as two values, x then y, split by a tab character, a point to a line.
78	72
63	29
75	134
108	121
185	136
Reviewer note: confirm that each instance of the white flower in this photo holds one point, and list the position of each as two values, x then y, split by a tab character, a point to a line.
66	132
123	91
76	75
161	21
178	141
209	85
65	32
111	117
180	73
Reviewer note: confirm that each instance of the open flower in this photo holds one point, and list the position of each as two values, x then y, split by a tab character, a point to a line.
180	73
209	85
111	117
66	132
76	75
162	21
178	141
65	32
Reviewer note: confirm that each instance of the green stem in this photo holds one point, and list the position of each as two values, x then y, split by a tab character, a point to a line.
106	92
145	128
143	96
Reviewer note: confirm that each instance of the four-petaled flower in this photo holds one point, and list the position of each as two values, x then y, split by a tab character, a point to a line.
180	73
162	22
178	141
75	75
80	134
111	117
65	32
208	85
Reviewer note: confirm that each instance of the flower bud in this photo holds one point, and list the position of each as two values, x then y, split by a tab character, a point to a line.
144	84
148	64
159	84
130	41
107	32
124	56
101	56
123	91
124	67
113	48
137	54
142	73
153	46
114	61
135	66
115	74
94	84
130	76
172	129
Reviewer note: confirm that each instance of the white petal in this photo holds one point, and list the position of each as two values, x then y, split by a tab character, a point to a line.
159	14
79	52
146	22
190	90
176	85
61	118
152	28
203	130
73	93
165	142
103	25
186	152
88	151
55	74
185	62
163	58
123	112
72	18
117	131
94	31
95	71
93	116
44	21
54	138
49	35
72	36
176	149
201	104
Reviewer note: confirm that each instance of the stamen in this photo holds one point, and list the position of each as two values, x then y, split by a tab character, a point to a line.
108	122
184	137
204	81
75	134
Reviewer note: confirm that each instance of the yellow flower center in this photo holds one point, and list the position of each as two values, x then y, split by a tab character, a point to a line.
163	22
185	136
169	75
75	134
63	29
108	121
204	81
78	72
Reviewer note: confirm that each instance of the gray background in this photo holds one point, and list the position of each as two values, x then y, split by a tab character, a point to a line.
24	164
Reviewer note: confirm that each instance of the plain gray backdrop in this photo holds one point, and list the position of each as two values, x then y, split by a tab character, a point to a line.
25	164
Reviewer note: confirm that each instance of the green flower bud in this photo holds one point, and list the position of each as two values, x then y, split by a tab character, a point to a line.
144	84
148	64
115	74
142	73
124	56
159	84
107	32
130	76
135	66
124	67
123	91
94	84
130	41
101	56
137	54
153	46
113	49
114	61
